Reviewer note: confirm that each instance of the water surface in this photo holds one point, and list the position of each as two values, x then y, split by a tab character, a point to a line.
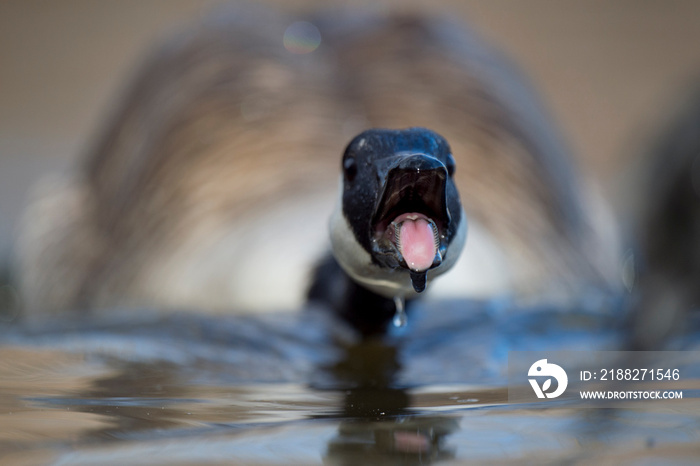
141	388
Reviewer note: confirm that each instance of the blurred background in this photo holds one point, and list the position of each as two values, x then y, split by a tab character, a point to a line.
609	72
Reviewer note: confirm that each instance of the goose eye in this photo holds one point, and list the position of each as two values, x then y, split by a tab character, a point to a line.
349	168
450	165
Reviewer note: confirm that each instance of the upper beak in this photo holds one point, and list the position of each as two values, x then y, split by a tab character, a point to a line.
415	182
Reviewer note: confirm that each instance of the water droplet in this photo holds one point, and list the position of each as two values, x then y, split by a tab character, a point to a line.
400	318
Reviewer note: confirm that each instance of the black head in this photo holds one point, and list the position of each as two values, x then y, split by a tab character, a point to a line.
398	190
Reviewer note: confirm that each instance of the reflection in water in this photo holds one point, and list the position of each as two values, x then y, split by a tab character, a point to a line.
278	389
377	423
410	440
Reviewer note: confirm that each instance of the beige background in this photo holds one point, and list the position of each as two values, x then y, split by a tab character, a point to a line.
608	70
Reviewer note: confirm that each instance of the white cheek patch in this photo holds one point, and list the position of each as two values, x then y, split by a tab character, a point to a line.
357	262
348	252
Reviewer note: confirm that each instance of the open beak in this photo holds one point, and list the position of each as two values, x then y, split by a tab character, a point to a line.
411	216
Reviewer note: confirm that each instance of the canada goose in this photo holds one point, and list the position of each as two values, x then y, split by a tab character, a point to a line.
397	219
213	181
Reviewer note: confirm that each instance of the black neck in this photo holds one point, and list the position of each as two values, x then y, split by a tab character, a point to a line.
369	313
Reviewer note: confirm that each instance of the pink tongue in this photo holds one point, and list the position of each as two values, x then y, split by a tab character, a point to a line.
417	244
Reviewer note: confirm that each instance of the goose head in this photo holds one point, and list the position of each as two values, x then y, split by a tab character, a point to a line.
398	222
